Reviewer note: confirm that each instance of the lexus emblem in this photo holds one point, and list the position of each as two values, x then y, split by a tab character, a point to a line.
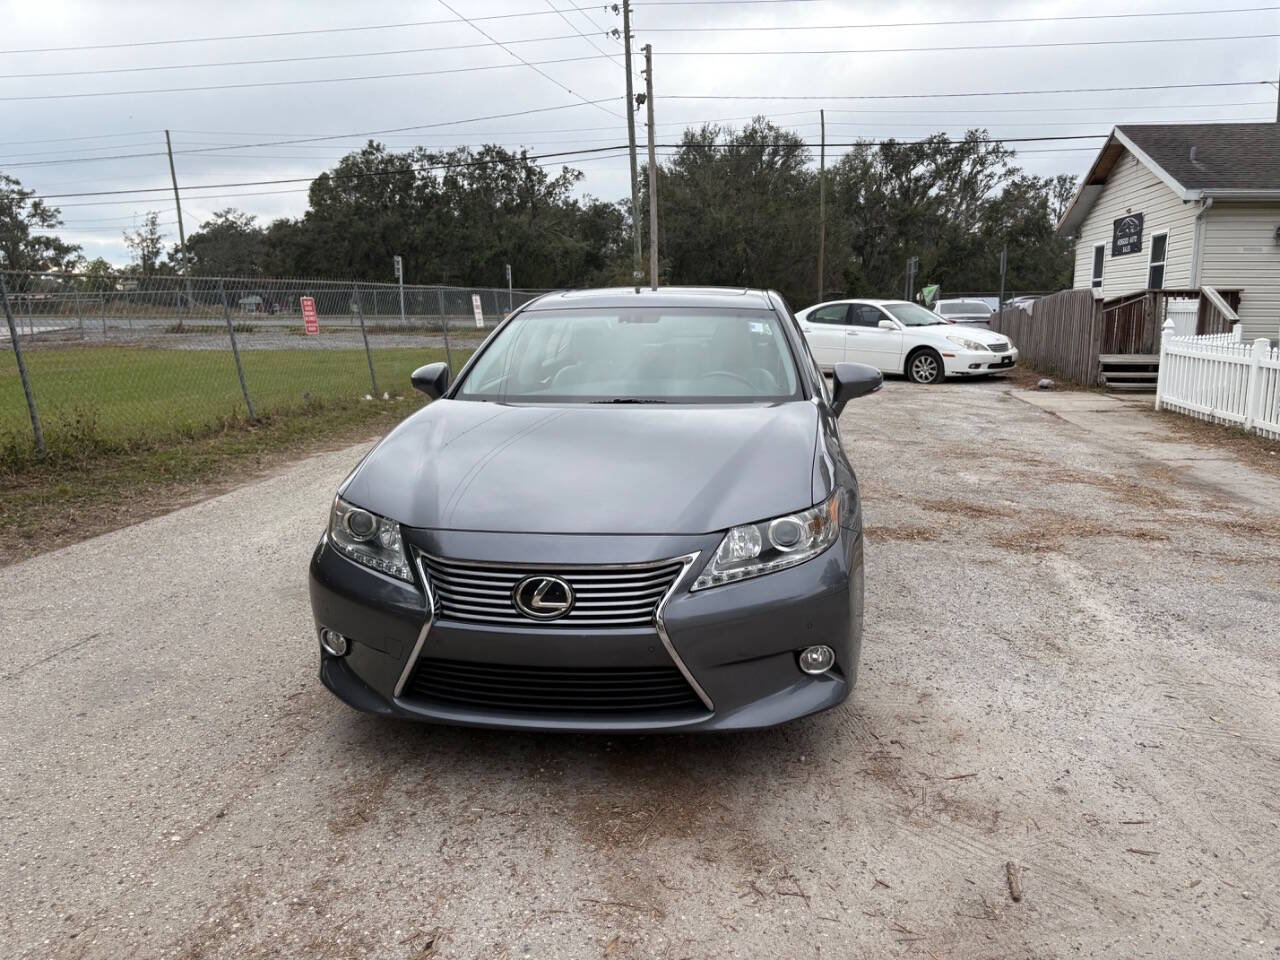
542	597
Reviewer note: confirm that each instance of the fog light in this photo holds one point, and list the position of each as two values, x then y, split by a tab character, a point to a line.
333	642
817	659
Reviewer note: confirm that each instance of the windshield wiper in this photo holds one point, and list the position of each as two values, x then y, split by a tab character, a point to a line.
629	400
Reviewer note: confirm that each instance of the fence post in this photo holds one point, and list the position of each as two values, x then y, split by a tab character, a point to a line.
1237	333
1166	331
444	325
22	368
1253	393
235	350
355	298
79	318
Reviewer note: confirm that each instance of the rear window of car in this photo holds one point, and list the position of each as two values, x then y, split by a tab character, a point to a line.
963	306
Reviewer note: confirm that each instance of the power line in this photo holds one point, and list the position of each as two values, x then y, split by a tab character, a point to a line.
562	16
986	93
793	113
274	60
963	47
952	23
531	65
280	33
290	142
562	153
336	176
292	83
272	193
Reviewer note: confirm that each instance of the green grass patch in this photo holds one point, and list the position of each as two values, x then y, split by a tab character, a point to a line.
134	432
100	400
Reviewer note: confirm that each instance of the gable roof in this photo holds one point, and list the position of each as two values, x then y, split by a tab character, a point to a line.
1195	160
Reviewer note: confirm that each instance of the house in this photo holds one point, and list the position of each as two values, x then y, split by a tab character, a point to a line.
1180	207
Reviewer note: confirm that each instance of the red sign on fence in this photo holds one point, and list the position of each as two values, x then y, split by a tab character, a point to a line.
309	314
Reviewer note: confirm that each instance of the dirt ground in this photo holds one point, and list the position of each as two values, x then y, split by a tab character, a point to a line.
1070	665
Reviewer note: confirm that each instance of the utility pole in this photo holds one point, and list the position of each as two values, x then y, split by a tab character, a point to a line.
653	170
1004	262
1278	99
912	263
398	263
822	203
637	254
177	200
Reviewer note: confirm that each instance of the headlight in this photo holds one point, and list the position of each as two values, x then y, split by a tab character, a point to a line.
969	344
369	539
758	548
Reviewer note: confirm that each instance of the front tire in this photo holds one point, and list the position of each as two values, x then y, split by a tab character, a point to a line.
925	366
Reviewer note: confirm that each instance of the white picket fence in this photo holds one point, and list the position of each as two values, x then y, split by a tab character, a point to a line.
1220	378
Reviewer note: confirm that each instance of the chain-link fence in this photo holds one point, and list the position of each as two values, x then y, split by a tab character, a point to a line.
116	361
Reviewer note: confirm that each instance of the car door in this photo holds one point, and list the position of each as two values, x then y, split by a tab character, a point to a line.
825	328
867	342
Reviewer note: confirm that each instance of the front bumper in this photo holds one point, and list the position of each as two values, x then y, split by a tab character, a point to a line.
963	363
738	642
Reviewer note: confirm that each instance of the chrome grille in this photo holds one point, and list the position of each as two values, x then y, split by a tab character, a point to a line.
604	596
1000	346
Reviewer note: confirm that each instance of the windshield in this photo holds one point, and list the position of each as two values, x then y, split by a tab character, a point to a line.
911	315
964	307
636	355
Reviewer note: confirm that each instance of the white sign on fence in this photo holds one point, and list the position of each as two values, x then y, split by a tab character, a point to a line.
1218	377
475	305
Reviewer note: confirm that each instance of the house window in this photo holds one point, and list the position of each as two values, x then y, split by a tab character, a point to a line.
1099	258
1155	266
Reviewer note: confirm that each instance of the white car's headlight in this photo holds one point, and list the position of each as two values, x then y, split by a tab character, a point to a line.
369	539
969	344
759	548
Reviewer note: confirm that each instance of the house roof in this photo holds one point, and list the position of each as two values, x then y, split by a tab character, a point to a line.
1195	160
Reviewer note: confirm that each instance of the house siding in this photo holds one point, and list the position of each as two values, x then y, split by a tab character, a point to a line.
1132	187
1239	251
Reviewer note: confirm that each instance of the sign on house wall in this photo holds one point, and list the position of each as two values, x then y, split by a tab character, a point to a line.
1126	235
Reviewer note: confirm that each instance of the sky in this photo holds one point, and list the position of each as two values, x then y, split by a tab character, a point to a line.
87	121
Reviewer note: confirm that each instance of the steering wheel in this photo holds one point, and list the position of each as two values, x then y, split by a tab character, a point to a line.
729	373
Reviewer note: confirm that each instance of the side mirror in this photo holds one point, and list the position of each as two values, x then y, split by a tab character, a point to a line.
432	379
887	325
853	380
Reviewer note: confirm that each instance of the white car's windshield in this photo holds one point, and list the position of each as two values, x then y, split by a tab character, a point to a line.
911	315
636	355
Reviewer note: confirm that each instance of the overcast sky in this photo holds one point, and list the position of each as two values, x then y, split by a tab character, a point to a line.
46	118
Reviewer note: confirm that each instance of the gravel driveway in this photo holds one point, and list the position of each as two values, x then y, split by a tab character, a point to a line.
1071	665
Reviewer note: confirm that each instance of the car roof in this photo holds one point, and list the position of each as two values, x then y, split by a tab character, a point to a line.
743	298
874	303
973	300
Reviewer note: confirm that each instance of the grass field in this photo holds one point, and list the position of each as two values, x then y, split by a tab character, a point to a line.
107	399
134	432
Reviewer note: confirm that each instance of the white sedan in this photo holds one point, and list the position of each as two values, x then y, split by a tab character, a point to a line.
900	337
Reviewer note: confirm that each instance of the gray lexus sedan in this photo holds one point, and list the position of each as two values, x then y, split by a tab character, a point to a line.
630	512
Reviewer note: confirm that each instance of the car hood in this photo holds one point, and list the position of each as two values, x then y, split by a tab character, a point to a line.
980	334
583	468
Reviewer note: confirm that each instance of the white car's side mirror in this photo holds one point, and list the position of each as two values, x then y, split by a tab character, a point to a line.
887	325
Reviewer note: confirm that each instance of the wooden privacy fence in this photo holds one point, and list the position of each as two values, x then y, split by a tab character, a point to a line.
1066	333
1217	377
1059	334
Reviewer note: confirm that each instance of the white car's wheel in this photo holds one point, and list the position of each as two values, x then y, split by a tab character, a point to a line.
925	366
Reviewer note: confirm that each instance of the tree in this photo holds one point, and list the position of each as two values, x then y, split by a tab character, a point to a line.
146	244
26	238
230	244
738	207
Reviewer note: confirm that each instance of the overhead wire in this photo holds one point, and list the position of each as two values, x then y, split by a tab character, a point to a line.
528	63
